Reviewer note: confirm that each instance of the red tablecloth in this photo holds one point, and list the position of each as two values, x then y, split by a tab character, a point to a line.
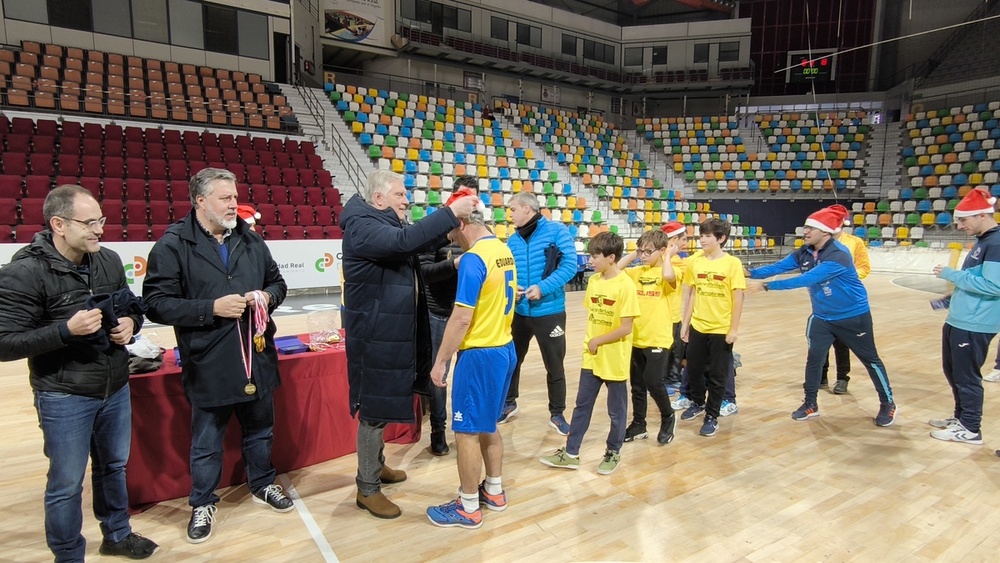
312	424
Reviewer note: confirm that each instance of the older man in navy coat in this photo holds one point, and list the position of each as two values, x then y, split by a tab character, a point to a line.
386	320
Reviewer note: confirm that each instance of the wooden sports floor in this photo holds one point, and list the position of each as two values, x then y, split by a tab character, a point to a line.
766	488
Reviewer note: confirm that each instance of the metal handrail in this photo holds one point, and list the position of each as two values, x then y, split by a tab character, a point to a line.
315	110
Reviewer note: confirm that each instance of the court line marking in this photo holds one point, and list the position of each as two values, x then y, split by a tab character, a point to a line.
325	549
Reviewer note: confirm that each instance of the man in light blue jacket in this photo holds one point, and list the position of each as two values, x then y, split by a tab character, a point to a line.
973	318
545	260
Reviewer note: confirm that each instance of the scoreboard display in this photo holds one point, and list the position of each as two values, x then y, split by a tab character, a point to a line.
807	66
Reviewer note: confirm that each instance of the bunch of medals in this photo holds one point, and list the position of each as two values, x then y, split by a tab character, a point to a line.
255	340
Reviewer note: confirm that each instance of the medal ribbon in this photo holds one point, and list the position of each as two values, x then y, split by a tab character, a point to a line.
260	318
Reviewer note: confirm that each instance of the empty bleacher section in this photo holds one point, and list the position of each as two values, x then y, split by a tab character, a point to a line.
432	140
70	80
597	154
581	173
805	151
947	153
140	175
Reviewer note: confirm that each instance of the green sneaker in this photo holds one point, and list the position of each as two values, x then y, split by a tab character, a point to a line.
609	463
562	460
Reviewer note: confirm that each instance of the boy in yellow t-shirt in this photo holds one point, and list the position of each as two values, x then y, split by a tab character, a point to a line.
652	334
611	305
713	303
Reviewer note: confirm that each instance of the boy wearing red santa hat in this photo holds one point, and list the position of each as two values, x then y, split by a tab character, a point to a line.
840	308
973	318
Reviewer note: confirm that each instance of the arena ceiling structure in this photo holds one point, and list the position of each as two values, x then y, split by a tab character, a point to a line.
646	12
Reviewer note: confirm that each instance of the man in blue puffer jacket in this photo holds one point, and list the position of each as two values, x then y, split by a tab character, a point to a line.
973	318
545	259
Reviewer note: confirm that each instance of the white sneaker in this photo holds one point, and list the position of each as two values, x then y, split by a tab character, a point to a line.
942	422
958	433
680	403
728	408
993	376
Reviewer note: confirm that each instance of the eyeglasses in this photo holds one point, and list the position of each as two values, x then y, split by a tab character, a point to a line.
645	251
92	224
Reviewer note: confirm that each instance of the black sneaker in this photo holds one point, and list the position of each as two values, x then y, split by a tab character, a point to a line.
636	431
200	526
272	496
840	387
667	426
133	546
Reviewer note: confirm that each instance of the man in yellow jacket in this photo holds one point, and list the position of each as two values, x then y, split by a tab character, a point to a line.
859	253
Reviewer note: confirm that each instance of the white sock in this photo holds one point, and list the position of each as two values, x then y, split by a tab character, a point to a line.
493	485
470	503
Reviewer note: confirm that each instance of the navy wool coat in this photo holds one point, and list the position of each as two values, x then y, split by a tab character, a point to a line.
385	310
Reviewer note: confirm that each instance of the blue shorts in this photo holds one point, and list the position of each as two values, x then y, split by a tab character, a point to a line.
479	388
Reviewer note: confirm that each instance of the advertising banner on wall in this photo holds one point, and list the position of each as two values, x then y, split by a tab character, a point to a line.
303	263
358	21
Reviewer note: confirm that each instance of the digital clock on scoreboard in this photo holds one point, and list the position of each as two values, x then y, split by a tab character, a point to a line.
812	65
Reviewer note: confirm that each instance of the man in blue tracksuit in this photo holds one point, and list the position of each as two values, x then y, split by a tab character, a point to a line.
973	318
545	260
840	308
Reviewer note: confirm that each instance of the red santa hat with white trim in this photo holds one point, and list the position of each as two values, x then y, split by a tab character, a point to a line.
977	202
828	219
248	213
843	212
673	229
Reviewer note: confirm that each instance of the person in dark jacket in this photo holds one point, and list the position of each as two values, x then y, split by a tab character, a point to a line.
81	392
385	319
439	269
840	308
546	261
213	278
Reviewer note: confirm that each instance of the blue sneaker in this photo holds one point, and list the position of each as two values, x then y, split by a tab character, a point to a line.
805	412
559	423
709	427
673	388
496	503
509	410
728	408
680	403
452	514
692	411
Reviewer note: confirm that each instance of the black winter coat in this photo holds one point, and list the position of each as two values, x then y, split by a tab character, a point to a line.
440	275
184	277
385	311
39	291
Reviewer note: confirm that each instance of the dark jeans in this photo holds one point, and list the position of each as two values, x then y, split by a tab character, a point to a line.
646	375
439	395
711	355
550	334
586	398
997	364
208	427
856	333
675	359
962	356
75	428
842	356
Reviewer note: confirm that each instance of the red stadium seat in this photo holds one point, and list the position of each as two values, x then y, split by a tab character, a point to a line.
295	232
274	232
31	211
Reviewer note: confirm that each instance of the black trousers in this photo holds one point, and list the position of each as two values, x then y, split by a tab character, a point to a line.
550	334
712	355
856	334
962	355
675	358
842	356
646	375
